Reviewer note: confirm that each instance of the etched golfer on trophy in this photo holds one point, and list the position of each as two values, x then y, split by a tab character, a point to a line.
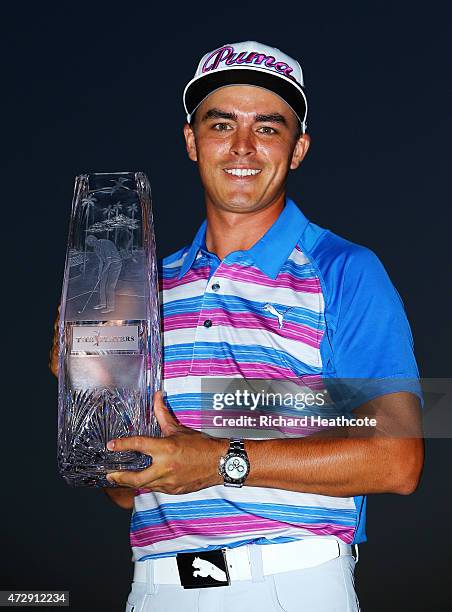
109	329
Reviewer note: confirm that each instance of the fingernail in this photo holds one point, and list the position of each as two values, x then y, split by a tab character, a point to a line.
110	445
110	479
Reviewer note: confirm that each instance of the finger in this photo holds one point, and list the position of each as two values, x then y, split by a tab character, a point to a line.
168	423
127	478
134	479
141	444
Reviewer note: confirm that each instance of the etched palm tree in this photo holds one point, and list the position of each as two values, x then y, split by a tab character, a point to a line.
119	183
107	213
87	204
132	209
117	208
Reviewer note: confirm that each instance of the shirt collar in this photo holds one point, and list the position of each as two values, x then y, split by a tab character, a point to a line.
271	251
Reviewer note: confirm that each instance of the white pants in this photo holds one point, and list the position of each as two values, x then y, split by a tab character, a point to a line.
328	587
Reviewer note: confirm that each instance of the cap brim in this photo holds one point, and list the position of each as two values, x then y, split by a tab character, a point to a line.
292	93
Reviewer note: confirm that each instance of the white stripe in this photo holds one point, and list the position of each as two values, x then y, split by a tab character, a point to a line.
185	291
177	262
195	383
299	258
251	495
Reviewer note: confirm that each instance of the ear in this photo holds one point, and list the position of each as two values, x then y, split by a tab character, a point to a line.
190	142
300	150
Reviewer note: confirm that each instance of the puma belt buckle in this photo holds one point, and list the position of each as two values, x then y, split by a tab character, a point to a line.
202	569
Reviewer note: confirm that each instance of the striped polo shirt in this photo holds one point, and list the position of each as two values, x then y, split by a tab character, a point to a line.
342	318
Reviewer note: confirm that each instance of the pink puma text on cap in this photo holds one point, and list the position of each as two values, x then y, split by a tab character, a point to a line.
248	63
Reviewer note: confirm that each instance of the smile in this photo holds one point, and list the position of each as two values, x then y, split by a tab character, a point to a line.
242	171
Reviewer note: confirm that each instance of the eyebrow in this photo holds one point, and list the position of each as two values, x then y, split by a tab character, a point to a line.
272	118
216	113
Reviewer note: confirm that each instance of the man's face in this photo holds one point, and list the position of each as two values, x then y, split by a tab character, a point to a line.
245	140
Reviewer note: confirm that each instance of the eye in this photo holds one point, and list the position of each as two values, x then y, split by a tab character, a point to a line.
222	127
266	129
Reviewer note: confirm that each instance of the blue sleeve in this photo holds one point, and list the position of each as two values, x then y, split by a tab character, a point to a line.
373	337
368	334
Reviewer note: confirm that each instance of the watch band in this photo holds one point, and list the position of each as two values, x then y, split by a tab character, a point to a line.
236	445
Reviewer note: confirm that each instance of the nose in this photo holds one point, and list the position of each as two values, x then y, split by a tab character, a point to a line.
242	144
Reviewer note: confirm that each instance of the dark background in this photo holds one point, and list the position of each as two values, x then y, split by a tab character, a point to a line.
98	88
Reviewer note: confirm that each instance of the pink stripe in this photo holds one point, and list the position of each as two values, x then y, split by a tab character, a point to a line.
218	526
187	320
283	280
174	369
190	277
222	367
313	381
243	320
227	367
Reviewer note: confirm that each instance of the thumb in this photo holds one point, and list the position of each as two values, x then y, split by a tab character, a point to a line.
168	423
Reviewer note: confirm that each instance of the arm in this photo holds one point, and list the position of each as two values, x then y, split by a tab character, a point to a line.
121	496
187	460
348	461
102	266
53	355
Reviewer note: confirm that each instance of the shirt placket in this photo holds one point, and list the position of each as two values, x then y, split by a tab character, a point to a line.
207	333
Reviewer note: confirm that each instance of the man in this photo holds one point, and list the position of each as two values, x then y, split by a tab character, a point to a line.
263	293
110	264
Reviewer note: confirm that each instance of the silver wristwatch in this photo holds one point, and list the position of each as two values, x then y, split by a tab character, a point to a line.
235	465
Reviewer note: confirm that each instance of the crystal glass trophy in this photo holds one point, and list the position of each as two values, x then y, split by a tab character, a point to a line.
109	329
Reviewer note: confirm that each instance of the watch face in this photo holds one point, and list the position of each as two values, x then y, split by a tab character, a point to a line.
236	467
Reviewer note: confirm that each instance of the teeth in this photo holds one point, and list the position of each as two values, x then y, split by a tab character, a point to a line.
242	171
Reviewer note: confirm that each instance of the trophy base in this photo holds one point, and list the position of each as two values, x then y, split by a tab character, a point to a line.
91	418
95	475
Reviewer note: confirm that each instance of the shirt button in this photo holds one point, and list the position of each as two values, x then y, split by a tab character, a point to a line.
215	286
207	323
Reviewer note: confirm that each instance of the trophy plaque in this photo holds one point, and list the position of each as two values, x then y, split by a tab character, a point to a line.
109	329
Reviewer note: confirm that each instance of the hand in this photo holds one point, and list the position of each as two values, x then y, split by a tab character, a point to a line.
53	356
184	460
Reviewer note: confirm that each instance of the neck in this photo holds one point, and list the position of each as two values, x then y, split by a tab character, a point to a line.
230	231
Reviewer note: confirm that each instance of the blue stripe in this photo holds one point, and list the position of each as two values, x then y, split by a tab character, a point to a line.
217	508
299	271
177	351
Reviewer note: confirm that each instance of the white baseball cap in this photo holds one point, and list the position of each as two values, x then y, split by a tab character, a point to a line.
248	63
